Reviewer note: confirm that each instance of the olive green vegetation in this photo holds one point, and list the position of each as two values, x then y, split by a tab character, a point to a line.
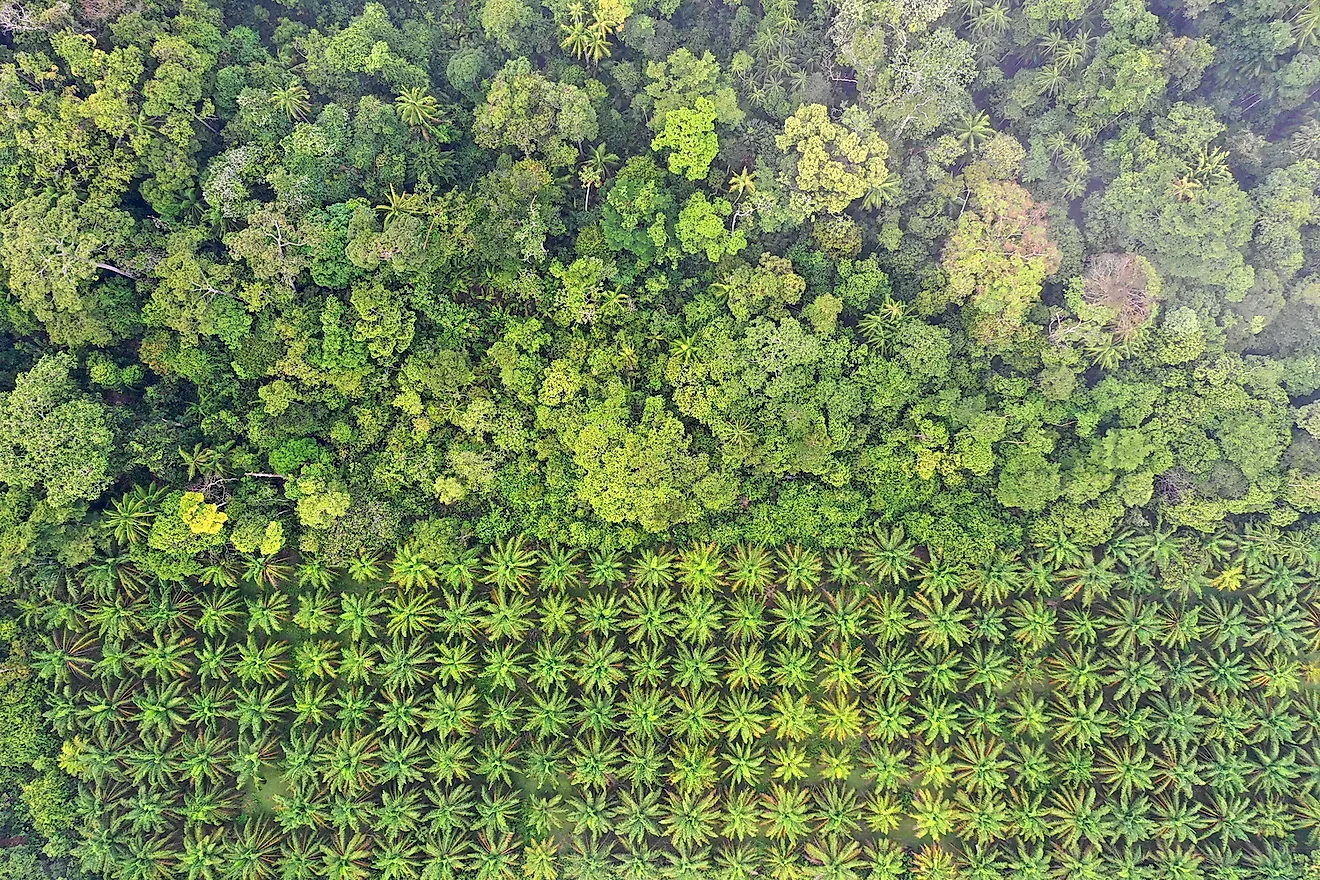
289	286
1142	710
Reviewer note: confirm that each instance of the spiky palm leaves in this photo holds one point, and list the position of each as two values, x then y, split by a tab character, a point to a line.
511	564
411	570
973	130
653	568
420	111
888	554
293	100
129	518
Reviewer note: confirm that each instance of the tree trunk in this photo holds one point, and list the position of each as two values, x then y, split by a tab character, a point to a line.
107	267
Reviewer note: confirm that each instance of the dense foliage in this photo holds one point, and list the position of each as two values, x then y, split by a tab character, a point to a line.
295	285
598	273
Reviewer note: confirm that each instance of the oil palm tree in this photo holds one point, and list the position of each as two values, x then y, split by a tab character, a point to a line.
539	859
105	577
148	858
408	615
701	566
504	713
652	568
888	554
312	572
511	564
649	614
797	617
690	819
940	623
599	614
70	654
270	570
560	567
364	567
359	614
345	857
410	570
698	617
267	612
507	616
751	569
258	708
605	567
252	852
115	618
785	813
802	567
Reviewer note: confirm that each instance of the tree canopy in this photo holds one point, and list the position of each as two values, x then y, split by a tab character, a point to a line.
965	314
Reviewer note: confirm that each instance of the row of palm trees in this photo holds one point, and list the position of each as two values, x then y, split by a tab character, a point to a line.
786	832
112	599
1272	779
255	850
